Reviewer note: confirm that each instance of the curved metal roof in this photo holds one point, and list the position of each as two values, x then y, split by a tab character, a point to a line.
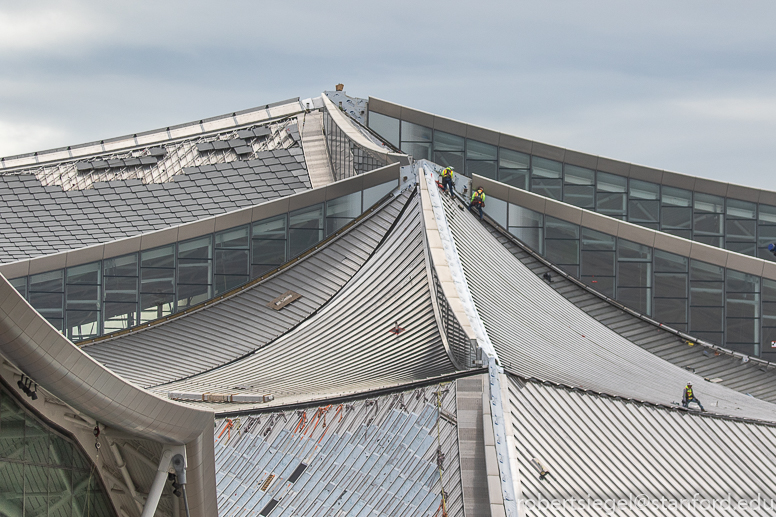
608	449
538	333
200	341
349	345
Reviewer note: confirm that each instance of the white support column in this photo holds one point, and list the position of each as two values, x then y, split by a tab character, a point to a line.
161	477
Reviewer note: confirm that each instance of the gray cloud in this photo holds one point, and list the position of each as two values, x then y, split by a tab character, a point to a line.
686	86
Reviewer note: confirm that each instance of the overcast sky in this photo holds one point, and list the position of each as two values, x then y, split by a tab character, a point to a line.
688	86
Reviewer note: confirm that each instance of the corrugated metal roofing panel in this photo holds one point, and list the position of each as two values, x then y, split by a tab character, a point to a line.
376	456
538	333
197	342
348	345
600	448
747	377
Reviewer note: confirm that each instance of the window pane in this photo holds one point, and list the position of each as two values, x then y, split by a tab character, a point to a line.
235	238
708	224
602	284
345	206
769	290
530	236
644	190
52	282
83	297
767	214
190	295
611	182
385	126
225	283
670	310
573	175
557	229
194	271
634	274
121	266
85	274
710	337
20	284
583	197
121	289
742	305
737	209
374	194
487	169
300	240
562	252
154	306
449	159
120	316
743	330
310	217
159	257
157	281
706	319
417	150
708	203
635	298
272	228
83	324
269	252
497	209
597	263
706	293
676	197
333	224
519	216
628	250
447	142
414	133
510	159
231	262
745	248
668	262
676	217
547	187
514	177
738	282
593	240
199	248
544	168
48	304
610	204
684	234
643	211
711	241
740	230
480	151
671	285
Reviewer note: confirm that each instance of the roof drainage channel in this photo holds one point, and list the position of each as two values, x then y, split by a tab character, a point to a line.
507	501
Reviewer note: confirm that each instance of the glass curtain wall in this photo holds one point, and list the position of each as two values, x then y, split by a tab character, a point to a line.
118	293
719	305
45	472
740	226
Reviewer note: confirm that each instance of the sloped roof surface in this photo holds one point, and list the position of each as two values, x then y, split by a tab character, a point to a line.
348	345
609	449
199	341
751	377
370	457
37	220
538	333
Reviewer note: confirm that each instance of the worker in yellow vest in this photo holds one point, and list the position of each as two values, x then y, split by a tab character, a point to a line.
478	200
447	179
688	396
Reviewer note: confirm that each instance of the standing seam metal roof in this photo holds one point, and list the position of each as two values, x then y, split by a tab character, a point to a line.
750	377
197	342
375	456
538	333
611	449
348	346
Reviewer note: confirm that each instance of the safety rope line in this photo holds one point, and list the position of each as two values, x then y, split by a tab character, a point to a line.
443	504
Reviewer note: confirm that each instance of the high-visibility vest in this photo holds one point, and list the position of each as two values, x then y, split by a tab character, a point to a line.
447	171
688	392
478	197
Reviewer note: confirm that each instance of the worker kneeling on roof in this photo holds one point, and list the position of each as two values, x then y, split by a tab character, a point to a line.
478	200
688	396
447	179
